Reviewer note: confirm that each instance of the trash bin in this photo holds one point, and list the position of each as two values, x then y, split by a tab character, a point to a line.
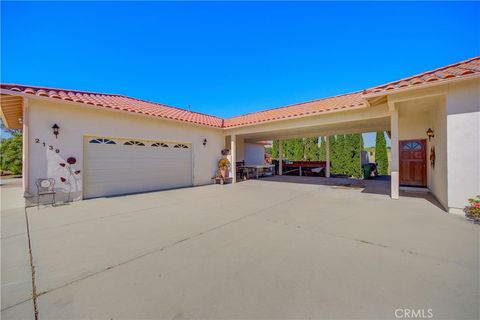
367	171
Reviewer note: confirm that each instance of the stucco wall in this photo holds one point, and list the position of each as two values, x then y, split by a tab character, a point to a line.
240	149
412	125
251	153
415	117
438	182
463	143
78	121
254	154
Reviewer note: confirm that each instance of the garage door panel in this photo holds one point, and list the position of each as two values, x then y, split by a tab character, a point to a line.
109	178
112	169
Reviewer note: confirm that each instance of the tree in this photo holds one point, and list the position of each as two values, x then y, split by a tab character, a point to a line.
333	153
312	152
323	149
357	146
11	154
288	149
275	149
298	149
340	154
268	150
348	155
381	157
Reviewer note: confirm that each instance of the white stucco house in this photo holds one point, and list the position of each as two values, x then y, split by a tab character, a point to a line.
109	144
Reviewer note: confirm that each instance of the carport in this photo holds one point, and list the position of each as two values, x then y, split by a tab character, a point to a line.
360	119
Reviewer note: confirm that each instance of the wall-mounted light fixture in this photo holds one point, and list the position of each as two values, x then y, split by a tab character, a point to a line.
56	130
204	142
430	134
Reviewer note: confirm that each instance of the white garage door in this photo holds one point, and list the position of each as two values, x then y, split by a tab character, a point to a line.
121	166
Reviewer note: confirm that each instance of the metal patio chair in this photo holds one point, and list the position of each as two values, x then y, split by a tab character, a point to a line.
45	186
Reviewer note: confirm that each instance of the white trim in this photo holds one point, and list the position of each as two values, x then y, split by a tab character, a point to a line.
391	105
394	161
280	157
327	158
417	97
233	152
456	211
25	145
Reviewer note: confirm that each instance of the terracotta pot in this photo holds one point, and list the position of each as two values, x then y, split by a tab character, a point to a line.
224	172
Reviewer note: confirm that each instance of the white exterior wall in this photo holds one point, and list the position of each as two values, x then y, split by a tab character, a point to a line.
254	154
414	125
463	143
78	121
437	176
240	149
251	153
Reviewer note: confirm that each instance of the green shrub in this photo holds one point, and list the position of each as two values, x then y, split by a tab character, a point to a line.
11	154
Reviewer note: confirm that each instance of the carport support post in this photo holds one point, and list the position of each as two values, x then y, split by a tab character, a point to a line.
280	157
25	138
233	150
394	175
327	156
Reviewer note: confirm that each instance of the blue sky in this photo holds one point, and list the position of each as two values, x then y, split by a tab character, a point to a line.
229	58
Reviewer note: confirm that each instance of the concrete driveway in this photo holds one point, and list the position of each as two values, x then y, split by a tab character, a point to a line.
254	250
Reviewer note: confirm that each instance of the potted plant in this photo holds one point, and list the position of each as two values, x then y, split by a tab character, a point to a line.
472	212
223	165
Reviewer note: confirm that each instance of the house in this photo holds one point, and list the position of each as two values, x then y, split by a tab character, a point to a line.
96	144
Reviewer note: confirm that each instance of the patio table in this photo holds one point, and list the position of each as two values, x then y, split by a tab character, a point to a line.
257	169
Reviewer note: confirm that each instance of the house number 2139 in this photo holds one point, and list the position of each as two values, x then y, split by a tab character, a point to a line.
44	144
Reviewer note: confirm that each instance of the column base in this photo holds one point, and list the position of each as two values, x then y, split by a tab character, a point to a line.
394	185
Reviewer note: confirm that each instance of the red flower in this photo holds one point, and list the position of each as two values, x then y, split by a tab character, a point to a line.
71	160
62	164
63	179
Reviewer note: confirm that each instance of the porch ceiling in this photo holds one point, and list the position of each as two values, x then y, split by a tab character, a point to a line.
359	126
11	111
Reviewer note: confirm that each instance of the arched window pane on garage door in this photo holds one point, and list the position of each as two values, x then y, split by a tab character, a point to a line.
160	144
180	145
102	141
134	143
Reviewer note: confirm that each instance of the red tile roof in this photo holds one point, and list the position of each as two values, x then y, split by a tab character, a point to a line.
342	102
470	67
463	69
118	102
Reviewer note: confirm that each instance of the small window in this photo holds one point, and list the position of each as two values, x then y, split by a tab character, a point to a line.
183	146
160	144
134	143
102	141
412	146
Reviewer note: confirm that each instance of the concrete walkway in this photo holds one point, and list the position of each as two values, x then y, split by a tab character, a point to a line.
257	249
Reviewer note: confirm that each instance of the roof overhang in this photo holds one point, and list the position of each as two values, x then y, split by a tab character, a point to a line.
24	96
375	95
11	110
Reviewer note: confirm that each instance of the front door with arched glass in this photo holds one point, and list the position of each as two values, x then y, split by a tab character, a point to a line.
413	163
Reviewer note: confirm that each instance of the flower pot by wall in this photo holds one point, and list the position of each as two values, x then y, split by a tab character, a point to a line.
224	172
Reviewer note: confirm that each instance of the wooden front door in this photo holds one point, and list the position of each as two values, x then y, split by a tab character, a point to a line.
413	163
